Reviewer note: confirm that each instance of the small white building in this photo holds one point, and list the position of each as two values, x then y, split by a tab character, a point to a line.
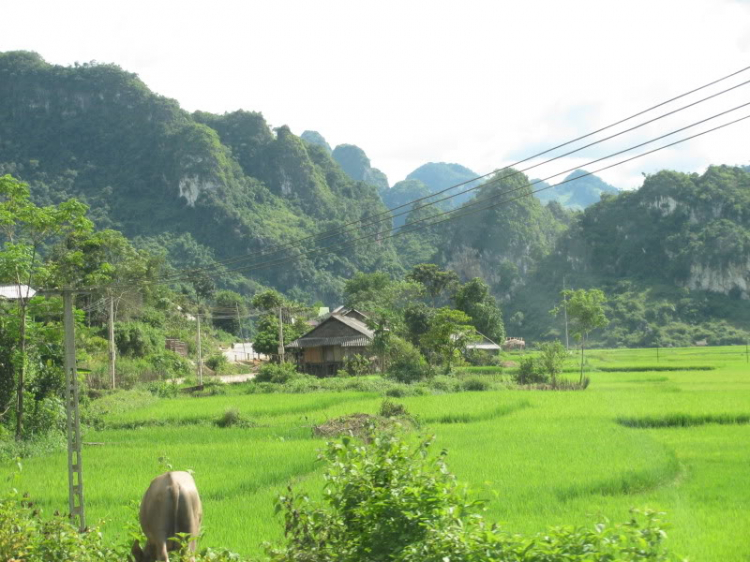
16	292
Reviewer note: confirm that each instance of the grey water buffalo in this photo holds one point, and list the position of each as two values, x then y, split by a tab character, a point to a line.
171	505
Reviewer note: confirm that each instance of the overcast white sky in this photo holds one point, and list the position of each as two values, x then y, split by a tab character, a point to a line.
480	83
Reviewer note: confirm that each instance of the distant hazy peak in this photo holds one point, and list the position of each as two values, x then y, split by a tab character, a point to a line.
356	164
579	191
439	175
314	137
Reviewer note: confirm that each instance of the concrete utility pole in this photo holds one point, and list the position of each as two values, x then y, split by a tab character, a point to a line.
565	311
200	353
75	460
281	337
242	333
111	332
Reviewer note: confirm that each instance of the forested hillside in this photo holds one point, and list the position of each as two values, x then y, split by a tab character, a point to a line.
673	256
201	185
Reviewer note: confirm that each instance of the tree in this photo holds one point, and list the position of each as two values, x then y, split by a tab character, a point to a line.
25	231
449	334
231	307
585	312
434	279
267	300
267	337
106	260
474	299
552	358
267	334
365	288
384	301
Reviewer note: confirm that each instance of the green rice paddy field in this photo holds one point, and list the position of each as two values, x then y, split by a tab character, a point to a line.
672	436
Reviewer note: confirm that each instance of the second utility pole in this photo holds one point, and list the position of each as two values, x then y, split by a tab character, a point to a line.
111	333
200	354
281	337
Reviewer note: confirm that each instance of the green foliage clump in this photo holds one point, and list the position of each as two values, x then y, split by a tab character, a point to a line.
385	500
530	371
138	339
406	362
390	409
357	365
26	535
448	336
277	373
476	384
217	362
232	417
552	358
474	299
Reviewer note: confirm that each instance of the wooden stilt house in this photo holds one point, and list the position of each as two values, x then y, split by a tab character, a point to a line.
323	350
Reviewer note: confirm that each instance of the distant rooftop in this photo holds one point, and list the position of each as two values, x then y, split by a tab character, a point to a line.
16	292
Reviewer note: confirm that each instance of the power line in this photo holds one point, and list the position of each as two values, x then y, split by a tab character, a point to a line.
368	221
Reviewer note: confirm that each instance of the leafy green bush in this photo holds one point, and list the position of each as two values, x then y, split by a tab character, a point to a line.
446	383
45	416
25	535
530	371
232	417
278	373
163	389
357	365
482	357
407	364
388	501
476	384
551	359
35	446
389	409
217	362
138	339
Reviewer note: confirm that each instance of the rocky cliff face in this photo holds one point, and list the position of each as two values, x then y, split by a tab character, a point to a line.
734	279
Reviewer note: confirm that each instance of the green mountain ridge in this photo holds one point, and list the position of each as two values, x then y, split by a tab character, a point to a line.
673	256
149	168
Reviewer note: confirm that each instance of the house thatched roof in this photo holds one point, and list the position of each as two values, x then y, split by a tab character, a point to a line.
336	330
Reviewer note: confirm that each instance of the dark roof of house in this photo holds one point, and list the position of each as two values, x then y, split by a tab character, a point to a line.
363	337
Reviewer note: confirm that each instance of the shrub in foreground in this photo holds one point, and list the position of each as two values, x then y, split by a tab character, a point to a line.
386	501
